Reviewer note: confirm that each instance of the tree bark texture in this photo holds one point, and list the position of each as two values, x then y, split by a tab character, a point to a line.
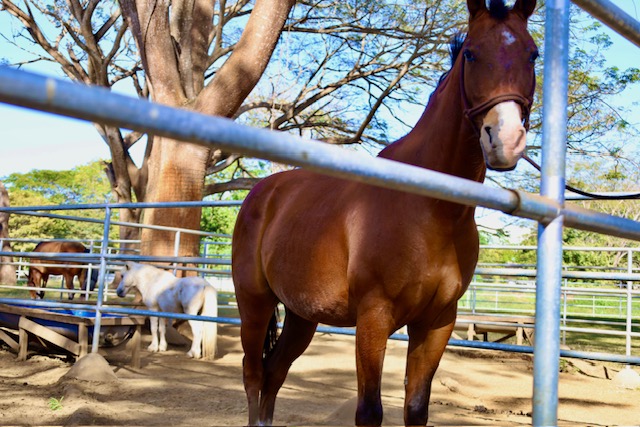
7	270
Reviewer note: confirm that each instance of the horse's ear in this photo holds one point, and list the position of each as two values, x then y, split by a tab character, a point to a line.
128	265
476	6
525	7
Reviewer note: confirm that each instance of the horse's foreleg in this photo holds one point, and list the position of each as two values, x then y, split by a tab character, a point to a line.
162	323
294	340
374	325
153	324
426	347
44	280
68	282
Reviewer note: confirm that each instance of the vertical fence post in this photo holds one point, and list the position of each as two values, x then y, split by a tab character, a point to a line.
102	275
549	280
474	300
90	267
564	314
629	304
176	251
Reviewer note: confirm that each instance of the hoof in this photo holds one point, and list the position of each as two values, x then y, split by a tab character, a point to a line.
193	354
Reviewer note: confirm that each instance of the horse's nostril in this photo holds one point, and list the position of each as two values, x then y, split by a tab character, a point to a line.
487	129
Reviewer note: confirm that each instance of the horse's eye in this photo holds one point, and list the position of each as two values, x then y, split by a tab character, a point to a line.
468	55
534	56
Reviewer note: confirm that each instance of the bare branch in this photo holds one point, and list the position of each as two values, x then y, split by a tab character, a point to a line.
241	72
108	25
219	164
233	185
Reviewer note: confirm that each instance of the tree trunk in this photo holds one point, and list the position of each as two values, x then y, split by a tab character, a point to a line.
173	40
176	173
7	269
125	179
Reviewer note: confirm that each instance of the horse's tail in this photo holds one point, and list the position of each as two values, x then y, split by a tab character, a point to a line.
210	329
272	333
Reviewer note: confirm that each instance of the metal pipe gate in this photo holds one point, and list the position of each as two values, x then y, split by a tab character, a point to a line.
103	106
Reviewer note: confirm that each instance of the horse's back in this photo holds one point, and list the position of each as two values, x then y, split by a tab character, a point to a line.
57	246
185	294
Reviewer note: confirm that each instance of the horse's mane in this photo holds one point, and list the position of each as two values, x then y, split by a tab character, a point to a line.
455	46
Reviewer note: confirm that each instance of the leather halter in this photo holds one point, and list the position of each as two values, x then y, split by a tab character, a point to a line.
470	112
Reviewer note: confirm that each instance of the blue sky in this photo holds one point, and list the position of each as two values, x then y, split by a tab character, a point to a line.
33	140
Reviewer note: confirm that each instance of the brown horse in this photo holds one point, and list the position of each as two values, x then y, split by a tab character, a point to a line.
345	253
39	273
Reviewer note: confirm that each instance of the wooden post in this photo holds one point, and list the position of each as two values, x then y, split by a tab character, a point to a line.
48	335
83	339
23	340
471	333
10	341
519	335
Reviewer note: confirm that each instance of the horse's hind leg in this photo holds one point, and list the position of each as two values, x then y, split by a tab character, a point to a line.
292	342
196	345
255	314
197	327
426	347
43	284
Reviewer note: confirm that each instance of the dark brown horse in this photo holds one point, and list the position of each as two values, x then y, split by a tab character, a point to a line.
344	253
41	269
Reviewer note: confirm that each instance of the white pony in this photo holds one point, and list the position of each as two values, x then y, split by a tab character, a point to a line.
162	291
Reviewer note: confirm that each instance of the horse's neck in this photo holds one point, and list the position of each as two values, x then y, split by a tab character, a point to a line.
443	139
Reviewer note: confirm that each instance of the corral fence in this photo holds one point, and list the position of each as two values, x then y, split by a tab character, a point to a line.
597	300
548	209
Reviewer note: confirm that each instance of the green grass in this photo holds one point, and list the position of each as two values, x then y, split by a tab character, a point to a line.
51	290
524	303
55	404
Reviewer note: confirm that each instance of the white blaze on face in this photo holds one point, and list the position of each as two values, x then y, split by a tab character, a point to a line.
502	136
508	37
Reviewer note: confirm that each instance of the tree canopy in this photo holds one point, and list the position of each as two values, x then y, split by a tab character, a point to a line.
344	71
49	187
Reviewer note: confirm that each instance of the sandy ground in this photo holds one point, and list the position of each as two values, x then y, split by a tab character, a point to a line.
471	388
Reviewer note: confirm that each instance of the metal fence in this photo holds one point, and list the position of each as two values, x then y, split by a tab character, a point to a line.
504	290
548	209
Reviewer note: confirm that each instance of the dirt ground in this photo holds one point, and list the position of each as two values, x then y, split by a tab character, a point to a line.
471	388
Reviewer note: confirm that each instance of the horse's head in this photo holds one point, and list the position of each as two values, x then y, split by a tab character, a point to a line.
128	281
498	78
35	280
